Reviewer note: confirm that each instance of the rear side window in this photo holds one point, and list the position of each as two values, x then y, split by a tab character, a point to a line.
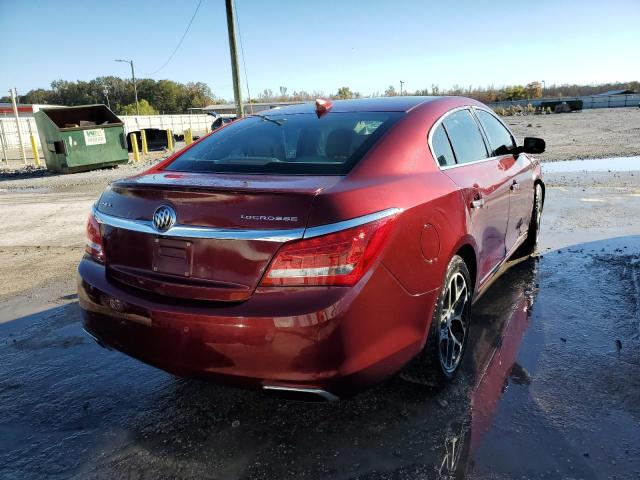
500	139
298	143
466	139
442	147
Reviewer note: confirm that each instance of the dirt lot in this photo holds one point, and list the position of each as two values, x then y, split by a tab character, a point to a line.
597	133
42	235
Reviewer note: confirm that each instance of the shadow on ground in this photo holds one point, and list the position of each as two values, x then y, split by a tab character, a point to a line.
550	388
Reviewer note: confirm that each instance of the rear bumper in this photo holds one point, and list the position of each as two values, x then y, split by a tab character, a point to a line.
331	338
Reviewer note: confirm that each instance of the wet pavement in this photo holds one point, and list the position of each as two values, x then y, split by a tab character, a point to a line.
550	389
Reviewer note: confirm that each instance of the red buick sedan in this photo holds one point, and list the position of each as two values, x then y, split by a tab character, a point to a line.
315	249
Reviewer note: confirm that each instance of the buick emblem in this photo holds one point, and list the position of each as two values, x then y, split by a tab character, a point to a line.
164	218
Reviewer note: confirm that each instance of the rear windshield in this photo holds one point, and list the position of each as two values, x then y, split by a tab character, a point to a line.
288	144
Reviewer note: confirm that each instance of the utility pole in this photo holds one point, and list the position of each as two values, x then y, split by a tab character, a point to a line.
133	78
14	94
544	87
401	84
235	68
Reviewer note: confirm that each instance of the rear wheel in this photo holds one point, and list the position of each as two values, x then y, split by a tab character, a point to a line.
528	247
440	359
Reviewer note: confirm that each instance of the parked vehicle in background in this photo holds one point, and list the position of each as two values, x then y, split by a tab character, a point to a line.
156	139
316	249
221	121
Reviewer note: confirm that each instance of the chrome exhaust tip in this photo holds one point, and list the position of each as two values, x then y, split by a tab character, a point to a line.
301	393
95	339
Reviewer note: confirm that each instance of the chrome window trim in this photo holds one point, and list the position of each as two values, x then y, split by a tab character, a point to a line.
186	231
448	167
435	125
354	222
445	115
494	115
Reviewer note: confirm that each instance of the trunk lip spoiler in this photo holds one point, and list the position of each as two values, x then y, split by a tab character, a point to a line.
320	230
266	235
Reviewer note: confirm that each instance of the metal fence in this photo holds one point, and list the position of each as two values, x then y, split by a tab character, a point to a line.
591	101
9	132
199	124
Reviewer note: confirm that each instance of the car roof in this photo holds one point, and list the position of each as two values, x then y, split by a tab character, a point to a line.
379	104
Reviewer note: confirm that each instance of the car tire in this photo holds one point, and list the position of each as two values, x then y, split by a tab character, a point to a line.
440	359
528	247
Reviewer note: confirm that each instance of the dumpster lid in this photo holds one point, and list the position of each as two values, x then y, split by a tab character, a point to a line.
83	116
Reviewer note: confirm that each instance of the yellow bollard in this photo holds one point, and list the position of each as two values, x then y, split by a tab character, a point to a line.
34	149
134	147
188	136
169	140
143	137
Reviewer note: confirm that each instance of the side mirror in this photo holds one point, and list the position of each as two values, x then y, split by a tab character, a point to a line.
533	145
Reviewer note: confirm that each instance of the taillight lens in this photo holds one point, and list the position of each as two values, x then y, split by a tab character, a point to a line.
94	246
339	258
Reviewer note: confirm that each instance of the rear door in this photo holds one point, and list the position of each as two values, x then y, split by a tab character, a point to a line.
484	184
518	168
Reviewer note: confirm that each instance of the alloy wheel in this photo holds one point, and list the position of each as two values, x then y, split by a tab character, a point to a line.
453	322
537	211
538	205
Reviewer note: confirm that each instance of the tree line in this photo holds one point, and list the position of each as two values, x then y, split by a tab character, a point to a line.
518	92
167	96
154	96
484	94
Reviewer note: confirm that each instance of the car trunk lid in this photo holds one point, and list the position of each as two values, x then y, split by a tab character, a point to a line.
228	228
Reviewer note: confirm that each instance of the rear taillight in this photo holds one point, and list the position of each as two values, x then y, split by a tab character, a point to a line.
94	246
339	258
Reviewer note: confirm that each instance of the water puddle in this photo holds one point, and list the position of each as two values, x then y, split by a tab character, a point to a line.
547	389
612	164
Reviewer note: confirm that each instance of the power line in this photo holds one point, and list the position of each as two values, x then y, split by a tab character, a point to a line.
179	43
244	65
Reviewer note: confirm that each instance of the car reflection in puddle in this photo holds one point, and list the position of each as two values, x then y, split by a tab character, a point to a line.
396	428
500	320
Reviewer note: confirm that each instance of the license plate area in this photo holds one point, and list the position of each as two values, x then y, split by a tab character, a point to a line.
174	257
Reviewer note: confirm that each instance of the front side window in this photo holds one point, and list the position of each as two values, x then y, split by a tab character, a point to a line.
442	147
466	138
298	143
500	138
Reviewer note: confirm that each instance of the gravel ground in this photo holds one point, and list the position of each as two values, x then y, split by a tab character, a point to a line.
593	133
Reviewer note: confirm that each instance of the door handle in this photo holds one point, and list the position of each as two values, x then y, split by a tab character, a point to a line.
515	186
477	203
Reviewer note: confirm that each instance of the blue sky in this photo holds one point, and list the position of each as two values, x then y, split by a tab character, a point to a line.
312	45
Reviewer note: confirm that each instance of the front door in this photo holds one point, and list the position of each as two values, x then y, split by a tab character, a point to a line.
519	171
520	202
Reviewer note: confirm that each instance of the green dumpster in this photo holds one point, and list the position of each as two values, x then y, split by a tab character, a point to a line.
76	139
